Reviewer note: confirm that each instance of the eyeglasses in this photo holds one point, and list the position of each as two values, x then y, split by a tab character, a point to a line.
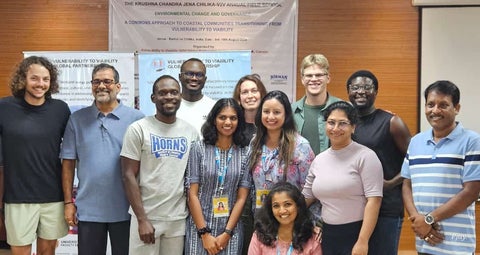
106	82
366	87
314	75
199	75
341	124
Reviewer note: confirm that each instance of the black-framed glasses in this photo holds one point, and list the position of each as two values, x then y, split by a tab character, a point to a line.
106	82
199	75
366	87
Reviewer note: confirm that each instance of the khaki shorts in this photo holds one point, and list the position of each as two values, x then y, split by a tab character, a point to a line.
169	238
27	222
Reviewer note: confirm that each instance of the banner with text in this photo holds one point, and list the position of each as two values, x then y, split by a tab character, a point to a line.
224	69
75	70
267	28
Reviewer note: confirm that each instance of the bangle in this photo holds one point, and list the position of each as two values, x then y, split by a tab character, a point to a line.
203	231
66	203
229	232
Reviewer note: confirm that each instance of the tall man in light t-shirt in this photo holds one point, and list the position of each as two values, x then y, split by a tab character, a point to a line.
195	105
154	157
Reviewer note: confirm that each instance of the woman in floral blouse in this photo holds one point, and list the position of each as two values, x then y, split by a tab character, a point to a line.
278	151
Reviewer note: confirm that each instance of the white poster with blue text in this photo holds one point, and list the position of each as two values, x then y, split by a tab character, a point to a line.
266	28
224	69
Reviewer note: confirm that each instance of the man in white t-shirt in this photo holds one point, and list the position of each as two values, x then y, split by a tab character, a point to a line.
195	105
154	157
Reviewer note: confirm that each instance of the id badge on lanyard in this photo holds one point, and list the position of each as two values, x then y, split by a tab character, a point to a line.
220	203
220	206
260	197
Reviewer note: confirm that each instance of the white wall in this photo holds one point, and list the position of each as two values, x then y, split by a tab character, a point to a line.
450	50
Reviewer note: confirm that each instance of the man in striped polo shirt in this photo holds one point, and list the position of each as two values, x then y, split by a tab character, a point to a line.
442	177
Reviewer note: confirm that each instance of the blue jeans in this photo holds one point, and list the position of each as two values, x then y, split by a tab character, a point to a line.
385	237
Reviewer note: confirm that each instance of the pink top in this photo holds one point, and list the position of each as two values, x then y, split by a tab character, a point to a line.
258	248
343	180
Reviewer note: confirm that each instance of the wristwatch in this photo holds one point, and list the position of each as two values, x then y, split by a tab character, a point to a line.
203	231
229	232
429	219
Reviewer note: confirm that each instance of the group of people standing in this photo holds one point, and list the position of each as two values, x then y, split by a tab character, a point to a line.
251	174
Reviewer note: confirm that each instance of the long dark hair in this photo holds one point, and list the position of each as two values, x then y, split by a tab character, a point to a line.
266	225
209	129
287	138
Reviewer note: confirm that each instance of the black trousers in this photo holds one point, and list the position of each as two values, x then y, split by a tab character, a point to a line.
340	239
92	237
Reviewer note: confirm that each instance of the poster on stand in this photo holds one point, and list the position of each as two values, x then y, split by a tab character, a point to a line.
224	69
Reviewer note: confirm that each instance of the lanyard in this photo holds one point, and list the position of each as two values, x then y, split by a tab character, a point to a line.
222	171
268	161
268	164
289	252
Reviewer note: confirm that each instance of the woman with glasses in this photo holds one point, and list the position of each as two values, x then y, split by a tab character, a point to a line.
278	152
218	183
347	178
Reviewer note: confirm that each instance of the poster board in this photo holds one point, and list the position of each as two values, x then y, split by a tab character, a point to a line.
267	28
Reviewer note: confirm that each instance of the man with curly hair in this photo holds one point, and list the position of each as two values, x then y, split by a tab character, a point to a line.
31	130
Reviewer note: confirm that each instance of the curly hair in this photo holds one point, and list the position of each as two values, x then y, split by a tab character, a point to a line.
18	81
209	129
287	138
266	225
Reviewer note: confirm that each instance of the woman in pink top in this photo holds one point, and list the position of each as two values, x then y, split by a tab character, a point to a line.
347	178
283	224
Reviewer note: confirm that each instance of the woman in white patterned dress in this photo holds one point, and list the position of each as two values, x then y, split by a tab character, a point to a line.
217	174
